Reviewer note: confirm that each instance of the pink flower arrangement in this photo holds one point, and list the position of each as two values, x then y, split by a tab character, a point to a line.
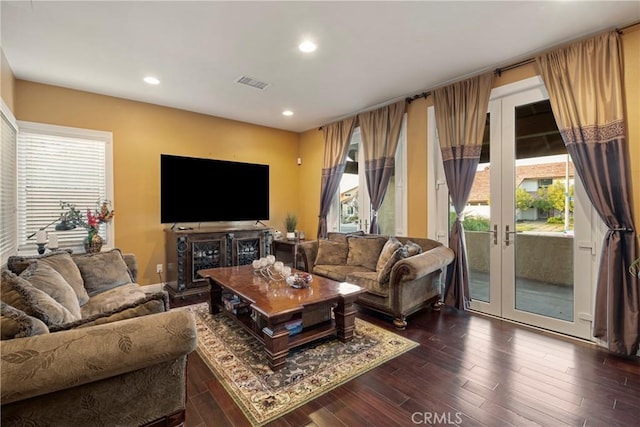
100	215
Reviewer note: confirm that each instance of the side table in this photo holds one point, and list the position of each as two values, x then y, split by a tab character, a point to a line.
286	250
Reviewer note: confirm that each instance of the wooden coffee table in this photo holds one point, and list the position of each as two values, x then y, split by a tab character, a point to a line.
276	303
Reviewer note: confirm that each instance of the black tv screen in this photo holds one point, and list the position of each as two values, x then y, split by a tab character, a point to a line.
202	190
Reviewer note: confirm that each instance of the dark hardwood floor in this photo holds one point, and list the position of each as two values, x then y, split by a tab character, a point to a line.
469	370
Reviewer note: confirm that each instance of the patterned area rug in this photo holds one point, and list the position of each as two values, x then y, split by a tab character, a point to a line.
238	361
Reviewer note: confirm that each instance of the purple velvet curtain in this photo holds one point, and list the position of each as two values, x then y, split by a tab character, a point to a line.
336	144
585	89
460	110
380	132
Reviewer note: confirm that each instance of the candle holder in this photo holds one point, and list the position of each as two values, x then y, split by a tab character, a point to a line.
270	269
53	242
40	248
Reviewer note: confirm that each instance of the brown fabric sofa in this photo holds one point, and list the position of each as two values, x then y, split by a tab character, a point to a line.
401	274
83	344
104	285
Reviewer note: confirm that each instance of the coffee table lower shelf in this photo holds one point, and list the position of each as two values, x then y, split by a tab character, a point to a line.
276	339
307	335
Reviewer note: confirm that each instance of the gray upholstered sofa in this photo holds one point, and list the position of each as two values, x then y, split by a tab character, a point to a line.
83	344
400	273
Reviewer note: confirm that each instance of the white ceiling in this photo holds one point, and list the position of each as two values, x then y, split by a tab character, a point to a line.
369	53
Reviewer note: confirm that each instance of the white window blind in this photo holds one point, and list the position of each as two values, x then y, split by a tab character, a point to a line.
8	191
59	164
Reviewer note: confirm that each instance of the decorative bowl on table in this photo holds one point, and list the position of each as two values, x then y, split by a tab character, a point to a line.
299	280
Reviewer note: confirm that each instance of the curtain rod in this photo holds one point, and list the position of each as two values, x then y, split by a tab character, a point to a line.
497	71
418	96
500	70
366	110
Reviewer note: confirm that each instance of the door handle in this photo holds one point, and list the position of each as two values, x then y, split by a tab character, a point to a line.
495	234
506	235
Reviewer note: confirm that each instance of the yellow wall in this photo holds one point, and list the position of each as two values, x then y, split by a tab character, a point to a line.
141	132
417	192
312	155
631	52
7	81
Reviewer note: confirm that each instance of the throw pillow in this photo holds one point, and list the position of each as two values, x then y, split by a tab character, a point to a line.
331	253
17	263
342	237
16	323
22	295
102	271
387	250
48	280
384	274
61	262
412	248
365	251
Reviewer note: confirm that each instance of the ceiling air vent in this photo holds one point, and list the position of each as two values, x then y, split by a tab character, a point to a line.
252	82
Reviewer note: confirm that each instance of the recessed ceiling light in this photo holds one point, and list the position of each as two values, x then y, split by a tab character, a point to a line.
287	113
151	80
307	46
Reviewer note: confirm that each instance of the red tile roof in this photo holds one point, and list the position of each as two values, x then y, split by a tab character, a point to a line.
480	189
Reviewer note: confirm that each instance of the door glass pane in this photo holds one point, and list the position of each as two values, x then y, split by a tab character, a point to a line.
476	223
543	215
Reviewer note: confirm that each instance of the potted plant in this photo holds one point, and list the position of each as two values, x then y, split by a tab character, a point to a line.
290	222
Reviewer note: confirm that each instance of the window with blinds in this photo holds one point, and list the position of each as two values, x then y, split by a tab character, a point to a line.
8	192
60	164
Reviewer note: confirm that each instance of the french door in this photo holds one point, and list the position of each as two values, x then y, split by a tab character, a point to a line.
529	239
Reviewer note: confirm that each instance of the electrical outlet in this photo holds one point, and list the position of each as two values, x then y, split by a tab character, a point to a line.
159	268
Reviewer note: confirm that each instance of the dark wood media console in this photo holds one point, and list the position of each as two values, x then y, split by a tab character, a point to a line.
191	250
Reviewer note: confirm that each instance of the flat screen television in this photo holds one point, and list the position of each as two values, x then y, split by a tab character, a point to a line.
207	190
